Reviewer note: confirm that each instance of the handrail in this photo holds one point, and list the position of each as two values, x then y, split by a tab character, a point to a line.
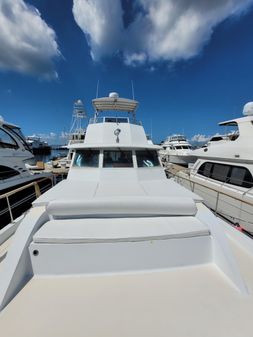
34	184
7	194
212	189
216	208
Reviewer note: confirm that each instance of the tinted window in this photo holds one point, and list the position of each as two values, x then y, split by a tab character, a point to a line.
116	120
118	159
18	133
205	169
86	158
6	140
147	158
220	172
6	172
241	176
234	175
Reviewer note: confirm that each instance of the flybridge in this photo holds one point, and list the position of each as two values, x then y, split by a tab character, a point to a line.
115	103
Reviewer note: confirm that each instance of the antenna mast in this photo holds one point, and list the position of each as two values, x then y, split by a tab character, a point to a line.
132	83
97	89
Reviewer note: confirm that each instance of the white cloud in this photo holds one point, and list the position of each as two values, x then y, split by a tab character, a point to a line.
53	138
204	138
102	23
200	138
64	135
160	30
27	44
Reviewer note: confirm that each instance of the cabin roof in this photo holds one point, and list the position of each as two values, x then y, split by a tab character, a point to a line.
115	104
114	145
236	121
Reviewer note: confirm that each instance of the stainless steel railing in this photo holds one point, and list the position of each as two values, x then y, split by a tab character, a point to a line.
193	184
37	192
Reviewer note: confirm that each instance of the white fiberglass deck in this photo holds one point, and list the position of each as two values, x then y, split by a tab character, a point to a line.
182	302
75	189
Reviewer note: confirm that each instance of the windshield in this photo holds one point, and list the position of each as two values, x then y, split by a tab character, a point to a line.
147	158
17	132
118	159
86	158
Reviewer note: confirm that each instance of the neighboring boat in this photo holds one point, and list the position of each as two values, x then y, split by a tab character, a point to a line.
38	145
15	153
76	134
117	249
177	150
223	173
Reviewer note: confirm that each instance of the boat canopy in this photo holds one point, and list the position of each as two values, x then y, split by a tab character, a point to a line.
115	104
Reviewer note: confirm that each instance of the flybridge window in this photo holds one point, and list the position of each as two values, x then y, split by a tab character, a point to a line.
116	120
86	158
7	141
147	158
118	159
234	175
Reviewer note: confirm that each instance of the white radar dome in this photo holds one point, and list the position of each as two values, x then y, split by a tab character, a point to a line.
114	95
248	109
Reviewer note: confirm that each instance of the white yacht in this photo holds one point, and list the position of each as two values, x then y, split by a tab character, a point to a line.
223	172
14	155
176	149
38	145
117	249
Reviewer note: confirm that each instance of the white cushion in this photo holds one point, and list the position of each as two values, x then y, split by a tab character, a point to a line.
122	207
119	229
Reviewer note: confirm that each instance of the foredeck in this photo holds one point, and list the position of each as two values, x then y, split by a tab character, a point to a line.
181	302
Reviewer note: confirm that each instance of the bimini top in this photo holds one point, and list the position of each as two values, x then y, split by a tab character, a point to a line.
115	103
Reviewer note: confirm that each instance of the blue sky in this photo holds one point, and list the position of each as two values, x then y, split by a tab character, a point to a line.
187	78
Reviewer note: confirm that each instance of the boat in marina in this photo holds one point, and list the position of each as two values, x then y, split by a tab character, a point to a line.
119	249
223	172
76	134
15	153
37	145
176	149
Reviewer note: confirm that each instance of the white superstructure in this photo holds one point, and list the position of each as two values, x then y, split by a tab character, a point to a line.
176	149
223	172
119	250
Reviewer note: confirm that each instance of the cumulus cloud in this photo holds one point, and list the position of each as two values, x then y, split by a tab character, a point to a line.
27	44
200	138
102	23
160	30
53	138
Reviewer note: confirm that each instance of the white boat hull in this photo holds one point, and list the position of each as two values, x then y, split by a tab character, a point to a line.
181	159
224	200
